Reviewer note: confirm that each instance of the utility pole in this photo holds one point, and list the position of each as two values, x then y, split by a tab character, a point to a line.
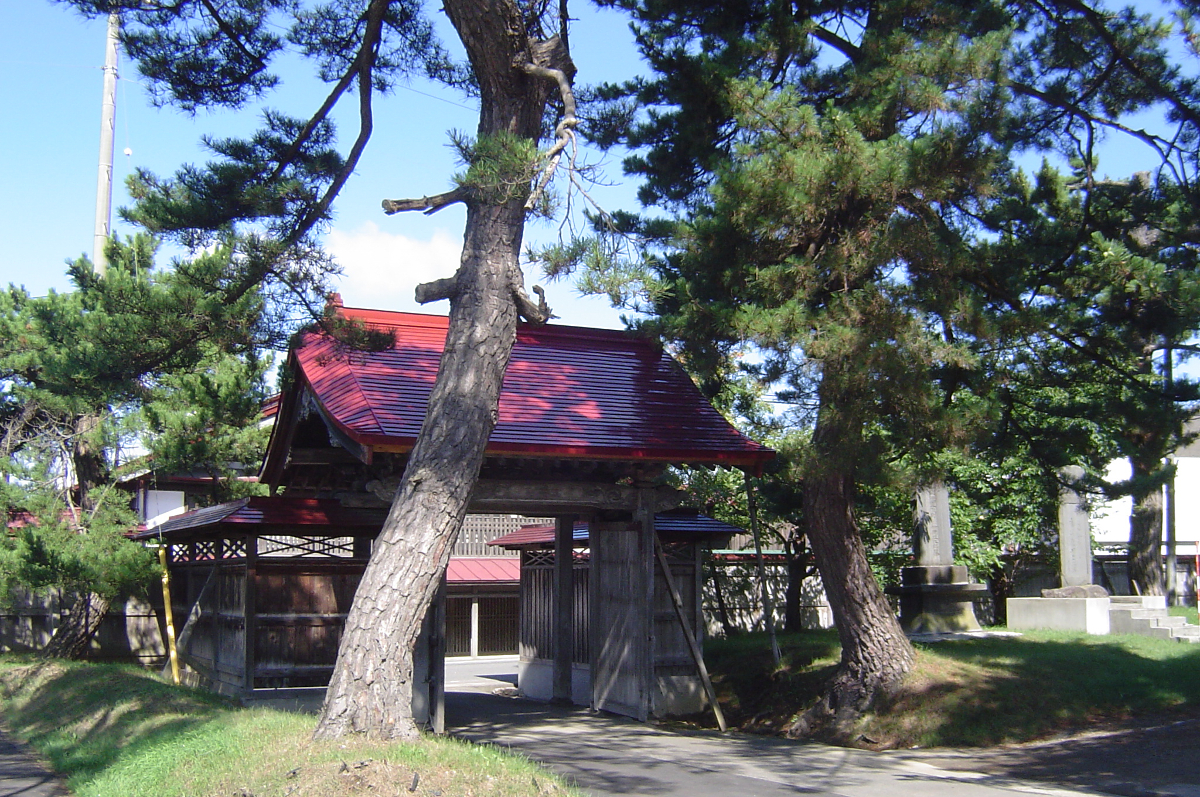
108	124
1169	384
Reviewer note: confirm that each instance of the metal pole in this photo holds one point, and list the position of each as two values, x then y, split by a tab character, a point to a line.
168	613
1172	586
108	124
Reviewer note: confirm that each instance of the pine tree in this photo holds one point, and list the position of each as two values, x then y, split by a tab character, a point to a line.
1110	282
76	368
279	186
827	166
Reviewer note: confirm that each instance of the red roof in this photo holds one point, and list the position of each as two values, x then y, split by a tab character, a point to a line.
19	519
483	570
568	392
272	511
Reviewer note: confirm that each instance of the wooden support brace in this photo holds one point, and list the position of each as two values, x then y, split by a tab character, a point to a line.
185	635
688	634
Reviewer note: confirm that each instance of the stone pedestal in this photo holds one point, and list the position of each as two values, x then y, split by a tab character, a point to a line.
937	599
1089	615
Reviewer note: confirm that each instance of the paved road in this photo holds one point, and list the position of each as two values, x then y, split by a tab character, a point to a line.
22	775
610	756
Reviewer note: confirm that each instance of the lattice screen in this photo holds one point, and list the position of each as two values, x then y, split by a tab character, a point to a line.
478	530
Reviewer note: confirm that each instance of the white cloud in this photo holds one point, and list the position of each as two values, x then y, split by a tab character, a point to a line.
381	269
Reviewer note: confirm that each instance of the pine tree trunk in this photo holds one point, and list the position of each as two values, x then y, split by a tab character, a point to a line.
1146	575
1000	586
722	608
75	632
875	652
372	684
797	568
87	459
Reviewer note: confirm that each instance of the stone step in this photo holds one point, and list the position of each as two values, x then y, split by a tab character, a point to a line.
1147	602
1130	613
1171	621
1192	631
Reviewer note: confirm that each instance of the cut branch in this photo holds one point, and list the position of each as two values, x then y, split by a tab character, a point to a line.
533	313
428	204
437	290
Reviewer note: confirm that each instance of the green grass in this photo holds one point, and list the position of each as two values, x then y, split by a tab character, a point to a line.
116	731
974	692
1188	612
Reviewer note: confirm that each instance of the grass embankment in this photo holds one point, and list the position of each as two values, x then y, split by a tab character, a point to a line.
116	731
974	692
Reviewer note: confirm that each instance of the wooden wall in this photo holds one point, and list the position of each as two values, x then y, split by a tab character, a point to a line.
537	607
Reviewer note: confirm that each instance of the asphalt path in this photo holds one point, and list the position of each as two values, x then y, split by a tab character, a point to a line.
23	775
608	755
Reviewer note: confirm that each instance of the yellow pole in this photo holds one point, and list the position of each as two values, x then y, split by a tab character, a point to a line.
166	578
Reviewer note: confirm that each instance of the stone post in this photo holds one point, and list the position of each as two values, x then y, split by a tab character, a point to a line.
1074	532
931	537
935	596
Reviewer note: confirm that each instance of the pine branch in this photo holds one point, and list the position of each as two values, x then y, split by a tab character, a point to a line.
428	204
564	131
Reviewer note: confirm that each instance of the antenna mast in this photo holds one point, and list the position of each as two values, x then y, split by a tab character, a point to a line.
108	124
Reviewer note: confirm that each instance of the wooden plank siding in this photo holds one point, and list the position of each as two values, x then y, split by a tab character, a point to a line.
618	626
537	607
302	608
671	654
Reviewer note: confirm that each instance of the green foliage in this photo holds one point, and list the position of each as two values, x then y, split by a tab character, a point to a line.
500	166
207	419
275	188
74	550
844	203
164	358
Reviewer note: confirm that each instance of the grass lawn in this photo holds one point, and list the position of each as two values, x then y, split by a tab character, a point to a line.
1188	612
970	693
116	731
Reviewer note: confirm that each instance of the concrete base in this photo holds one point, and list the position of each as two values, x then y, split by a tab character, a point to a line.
1089	615
937	600
535	680
678	696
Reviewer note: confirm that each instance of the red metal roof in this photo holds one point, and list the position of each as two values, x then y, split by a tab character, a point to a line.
568	392
271	511
483	570
676	524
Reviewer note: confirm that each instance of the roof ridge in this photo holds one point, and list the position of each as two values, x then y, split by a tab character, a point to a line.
372	316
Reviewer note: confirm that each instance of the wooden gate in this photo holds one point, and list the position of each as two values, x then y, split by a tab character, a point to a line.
621	631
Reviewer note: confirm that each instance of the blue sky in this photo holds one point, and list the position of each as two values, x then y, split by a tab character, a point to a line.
50	132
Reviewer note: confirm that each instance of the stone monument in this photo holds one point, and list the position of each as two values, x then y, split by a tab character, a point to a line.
1078	605
935	595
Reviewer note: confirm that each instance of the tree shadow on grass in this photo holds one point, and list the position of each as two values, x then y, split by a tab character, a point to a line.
84	717
752	692
999	690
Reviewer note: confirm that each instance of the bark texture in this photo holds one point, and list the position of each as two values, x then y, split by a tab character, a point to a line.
372	684
875	652
74	634
1146	576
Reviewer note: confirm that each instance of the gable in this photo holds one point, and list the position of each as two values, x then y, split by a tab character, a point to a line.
568	392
